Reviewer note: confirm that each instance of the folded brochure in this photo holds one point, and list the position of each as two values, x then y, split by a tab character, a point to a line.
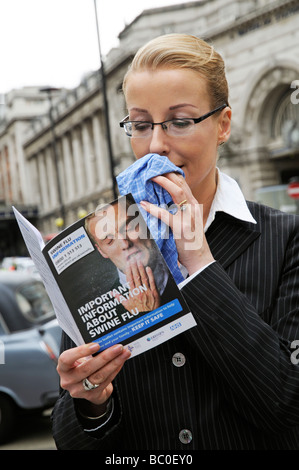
107	279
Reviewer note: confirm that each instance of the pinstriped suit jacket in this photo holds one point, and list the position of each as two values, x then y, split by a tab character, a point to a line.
238	388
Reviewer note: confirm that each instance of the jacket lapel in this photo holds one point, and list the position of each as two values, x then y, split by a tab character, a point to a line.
228	238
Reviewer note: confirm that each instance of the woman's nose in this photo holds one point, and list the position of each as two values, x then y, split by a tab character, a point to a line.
159	141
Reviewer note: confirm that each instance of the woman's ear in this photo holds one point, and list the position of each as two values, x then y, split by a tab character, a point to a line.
224	125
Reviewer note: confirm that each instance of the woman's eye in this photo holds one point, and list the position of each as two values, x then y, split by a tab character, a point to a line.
141	126
182	123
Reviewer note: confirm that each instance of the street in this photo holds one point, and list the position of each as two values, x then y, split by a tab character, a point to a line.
34	433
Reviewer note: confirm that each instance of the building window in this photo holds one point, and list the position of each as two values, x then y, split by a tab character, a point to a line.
285	118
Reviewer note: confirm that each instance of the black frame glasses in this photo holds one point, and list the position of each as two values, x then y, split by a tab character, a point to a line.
164	123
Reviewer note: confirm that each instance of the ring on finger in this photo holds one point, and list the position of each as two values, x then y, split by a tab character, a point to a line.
88	385
182	205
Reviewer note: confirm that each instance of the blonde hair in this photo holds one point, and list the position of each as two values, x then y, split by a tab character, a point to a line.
186	52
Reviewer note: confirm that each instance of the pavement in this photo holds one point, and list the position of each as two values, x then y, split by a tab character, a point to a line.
33	433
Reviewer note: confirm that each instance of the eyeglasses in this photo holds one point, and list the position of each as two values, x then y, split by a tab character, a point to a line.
173	127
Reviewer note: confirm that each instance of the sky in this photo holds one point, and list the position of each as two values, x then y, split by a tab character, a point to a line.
54	42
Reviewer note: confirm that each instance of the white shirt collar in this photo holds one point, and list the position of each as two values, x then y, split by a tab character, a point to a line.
229	199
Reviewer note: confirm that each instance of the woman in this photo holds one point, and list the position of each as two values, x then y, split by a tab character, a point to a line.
235	385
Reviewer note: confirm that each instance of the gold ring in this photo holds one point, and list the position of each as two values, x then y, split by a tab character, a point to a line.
183	202
182	205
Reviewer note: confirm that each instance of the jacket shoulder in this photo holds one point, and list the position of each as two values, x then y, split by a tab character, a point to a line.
265	214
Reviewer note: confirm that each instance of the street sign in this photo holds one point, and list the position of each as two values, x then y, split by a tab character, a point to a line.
293	189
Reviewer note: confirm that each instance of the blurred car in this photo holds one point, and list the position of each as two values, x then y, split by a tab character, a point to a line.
20	263
29	348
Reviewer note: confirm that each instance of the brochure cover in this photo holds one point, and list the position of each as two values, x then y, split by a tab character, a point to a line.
108	280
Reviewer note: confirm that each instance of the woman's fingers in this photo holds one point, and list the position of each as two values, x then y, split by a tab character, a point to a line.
74	357
104	376
176	186
74	365
186	223
97	363
158	212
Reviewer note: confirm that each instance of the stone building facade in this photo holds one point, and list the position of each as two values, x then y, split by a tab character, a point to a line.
18	109
259	42
78	166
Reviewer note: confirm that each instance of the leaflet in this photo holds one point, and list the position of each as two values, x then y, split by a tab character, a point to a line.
108	281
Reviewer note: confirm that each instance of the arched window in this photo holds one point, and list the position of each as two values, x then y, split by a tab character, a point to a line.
285	120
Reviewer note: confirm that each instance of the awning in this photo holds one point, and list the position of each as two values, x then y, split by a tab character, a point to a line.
6	212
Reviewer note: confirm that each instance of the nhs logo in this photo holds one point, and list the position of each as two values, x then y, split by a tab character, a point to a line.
175	326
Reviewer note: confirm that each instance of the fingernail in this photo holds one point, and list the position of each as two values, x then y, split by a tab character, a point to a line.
93	347
118	348
128	352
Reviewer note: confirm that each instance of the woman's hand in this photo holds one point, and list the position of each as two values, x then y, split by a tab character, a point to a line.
74	365
186	224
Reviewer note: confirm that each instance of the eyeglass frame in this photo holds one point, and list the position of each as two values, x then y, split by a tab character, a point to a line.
195	120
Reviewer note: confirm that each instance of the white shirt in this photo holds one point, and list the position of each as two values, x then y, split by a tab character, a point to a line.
229	199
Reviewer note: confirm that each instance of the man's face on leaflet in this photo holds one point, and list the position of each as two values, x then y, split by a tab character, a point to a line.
119	238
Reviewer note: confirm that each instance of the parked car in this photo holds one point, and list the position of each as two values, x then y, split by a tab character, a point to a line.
29	347
20	263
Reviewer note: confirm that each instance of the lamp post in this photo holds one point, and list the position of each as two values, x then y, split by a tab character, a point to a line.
106	108
60	221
